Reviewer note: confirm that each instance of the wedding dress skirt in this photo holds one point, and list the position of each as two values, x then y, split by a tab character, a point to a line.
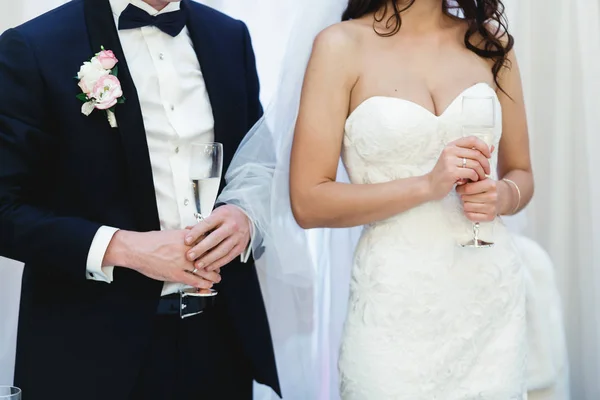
428	319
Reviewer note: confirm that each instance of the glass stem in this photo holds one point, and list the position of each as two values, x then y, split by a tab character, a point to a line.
476	231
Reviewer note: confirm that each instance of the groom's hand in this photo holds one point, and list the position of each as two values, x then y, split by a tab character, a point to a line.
220	238
159	255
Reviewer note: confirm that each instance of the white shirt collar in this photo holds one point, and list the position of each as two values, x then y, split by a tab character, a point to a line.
118	6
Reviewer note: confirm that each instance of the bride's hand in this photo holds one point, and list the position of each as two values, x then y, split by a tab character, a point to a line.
450	170
480	200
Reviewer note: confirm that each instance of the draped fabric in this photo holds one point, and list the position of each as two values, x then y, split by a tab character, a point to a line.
558	44
270	22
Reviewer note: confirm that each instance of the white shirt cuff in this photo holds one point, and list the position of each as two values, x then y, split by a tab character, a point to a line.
245	256
94	269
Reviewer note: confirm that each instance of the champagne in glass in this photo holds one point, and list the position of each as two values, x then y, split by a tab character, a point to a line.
205	195
10	393
206	167
479	120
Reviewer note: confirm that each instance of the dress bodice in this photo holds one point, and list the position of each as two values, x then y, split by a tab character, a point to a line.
389	138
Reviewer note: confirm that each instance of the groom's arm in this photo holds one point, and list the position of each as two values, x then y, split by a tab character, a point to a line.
231	230
255	112
33	234
29	232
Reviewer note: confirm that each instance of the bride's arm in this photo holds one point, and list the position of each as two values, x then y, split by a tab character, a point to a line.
514	162
317	200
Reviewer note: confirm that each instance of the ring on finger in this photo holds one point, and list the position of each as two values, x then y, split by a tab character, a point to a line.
200	218
464	162
194	271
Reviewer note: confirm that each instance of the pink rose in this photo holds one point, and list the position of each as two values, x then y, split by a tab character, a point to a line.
106	92
107	59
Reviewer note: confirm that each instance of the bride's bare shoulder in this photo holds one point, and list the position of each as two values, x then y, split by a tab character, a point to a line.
341	38
335	54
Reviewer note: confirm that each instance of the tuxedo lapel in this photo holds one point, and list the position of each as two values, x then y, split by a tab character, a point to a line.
103	32
211	59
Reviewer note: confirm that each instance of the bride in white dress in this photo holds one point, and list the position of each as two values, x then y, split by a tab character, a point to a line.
427	318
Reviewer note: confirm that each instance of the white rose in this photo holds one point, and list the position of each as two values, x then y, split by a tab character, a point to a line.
89	73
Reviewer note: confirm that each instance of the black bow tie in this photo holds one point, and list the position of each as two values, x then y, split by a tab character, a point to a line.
171	23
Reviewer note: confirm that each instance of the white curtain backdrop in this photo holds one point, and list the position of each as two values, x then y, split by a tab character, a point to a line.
558	45
270	22
559	51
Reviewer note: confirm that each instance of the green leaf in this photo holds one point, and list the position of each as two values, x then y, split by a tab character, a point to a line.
82	97
115	71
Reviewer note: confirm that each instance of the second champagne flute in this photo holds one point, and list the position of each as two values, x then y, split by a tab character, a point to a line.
479	120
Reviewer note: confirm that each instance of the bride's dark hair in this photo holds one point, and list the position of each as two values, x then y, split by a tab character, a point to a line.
484	17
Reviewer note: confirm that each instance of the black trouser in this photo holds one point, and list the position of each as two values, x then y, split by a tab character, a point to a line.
192	359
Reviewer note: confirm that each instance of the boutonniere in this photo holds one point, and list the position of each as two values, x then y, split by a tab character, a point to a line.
100	86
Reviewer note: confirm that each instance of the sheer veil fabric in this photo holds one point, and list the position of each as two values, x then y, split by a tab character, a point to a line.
305	291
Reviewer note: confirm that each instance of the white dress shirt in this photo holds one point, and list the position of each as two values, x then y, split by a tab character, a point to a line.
176	112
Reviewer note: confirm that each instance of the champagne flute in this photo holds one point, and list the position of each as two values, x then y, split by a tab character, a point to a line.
206	167
479	120
10	393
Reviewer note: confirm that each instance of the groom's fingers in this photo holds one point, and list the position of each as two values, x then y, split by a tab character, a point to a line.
211	276
223	250
187	278
206	244
223	261
202	228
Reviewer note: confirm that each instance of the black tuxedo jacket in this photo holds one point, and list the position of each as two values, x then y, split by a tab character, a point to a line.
63	175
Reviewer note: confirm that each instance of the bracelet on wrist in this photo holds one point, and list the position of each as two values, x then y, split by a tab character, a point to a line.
512	183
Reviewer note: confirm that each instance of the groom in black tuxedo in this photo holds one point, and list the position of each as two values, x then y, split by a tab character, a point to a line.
94	204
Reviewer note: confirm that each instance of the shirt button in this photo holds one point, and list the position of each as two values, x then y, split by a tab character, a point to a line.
172	108
176	150
186	202
161	56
